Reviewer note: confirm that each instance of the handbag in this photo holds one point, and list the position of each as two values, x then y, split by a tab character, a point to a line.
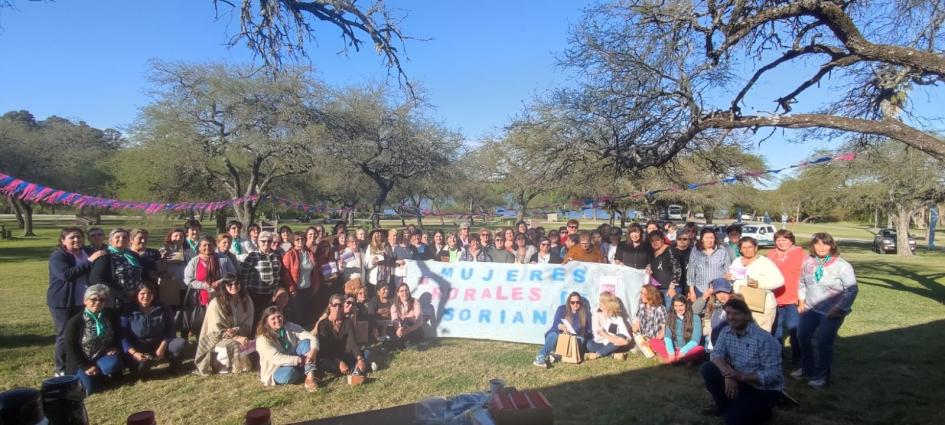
568	348
189	317
754	297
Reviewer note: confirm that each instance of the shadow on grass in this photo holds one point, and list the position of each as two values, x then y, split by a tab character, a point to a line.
12	252
880	378
28	340
929	287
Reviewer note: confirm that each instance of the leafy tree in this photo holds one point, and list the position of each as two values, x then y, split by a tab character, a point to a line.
659	77
241	130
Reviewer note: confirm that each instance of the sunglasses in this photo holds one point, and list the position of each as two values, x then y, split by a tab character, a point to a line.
265	240
336	305
232	284
574	302
96	299
545	244
572	227
682	239
349	302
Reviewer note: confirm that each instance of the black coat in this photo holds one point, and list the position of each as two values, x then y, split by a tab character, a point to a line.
63	274
555	258
72	342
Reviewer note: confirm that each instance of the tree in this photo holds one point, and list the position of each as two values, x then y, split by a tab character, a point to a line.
54	152
239	129
275	30
661	76
386	139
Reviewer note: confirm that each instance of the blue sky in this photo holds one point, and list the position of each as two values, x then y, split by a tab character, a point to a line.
482	62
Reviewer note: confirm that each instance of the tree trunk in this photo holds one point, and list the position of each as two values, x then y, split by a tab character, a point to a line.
27	219
903	217
18	210
708	212
378	207
221	220
246	213
351	212
876	217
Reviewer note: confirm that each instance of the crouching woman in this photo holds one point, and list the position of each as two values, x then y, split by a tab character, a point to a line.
287	352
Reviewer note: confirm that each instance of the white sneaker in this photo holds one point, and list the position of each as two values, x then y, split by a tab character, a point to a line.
540	364
374	367
817	384
797	374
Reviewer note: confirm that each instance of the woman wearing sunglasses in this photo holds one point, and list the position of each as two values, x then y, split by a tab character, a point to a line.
578	315
338	351
226	330
91	343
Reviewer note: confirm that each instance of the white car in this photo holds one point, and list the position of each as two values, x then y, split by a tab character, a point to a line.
763	233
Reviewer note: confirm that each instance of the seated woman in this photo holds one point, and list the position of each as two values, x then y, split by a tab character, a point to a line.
148	332
720	291
577	315
405	317
90	342
610	329
379	311
226	330
683	333
287	352
650	320
338	351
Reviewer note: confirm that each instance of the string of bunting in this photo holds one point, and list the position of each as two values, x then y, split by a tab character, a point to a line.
604	200
37	193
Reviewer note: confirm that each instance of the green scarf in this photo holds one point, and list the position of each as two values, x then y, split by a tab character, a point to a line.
99	323
192	245
132	259
284	339
237	245
819	273
735	248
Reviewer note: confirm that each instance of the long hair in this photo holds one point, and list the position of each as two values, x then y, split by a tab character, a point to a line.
651	295
609	304
263	329
582	310
397	304
225	298
687	318
170	233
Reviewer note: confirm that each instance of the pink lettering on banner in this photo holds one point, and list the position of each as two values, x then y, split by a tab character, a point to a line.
517	293
454	293
534	294
498	294
486	295
470	295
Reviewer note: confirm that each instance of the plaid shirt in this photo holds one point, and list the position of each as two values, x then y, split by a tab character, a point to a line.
754	352
259	272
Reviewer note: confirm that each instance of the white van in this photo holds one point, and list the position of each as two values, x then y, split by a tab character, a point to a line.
763	233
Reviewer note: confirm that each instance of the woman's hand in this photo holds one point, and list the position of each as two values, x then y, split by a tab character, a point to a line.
401	331
310	356
343	367
161	351
671	292
562	328
635	326
361	366
92	371
801	307
752	283
728	276
140	357
242	340
97	254
692	295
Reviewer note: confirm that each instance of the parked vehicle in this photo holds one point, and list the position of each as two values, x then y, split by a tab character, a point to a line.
763	233
885	241
674	212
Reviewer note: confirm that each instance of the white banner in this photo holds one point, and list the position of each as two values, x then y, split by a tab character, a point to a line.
512	302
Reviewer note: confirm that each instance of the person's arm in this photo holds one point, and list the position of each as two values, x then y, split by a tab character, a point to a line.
127	337
802	288
850	288
556	322
190	275
62	269
770	276
288	280
351	345
269	351
101	271
247	267
668	340
72	336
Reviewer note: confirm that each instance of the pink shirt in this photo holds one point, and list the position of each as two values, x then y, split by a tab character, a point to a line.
789	264
414	313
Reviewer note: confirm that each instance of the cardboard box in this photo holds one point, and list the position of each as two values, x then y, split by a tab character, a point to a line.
512	407
355	379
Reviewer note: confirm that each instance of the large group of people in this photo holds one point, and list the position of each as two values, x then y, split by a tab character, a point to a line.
296	304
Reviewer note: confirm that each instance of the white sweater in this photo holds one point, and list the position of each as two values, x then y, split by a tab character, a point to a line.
765	272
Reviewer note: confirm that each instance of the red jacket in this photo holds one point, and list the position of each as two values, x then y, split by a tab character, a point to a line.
292	269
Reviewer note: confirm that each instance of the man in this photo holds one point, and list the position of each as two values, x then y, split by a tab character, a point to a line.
583	251
499	253
259	274
744	375
464	235
734	233
235	229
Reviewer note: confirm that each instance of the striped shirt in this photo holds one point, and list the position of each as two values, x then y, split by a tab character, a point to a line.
703	269
754	352
259	272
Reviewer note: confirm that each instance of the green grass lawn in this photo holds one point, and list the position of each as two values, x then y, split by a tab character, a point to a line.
887	367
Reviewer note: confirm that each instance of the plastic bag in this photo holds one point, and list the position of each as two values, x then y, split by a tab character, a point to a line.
459	410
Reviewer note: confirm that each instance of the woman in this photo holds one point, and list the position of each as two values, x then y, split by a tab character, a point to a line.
755	271
402	251
826	292
226	330
475	252
171	285
610	329
148	333
405	316
609	248
789	258
150	258
521	227
554	238
681	336
453	248
338	350
69	268
120	270
378	309
224	255
375	260
650	319
351	261
202	274
578	315
664	267
287	237
635	253
523	250
361	236
720	291
545	254
301	278
251	244
90	342
706	263
287	352
438	249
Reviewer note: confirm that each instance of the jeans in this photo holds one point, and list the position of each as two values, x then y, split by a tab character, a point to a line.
109	366
174	350
60	316
603	350
787	320
333	365
816	334
295	374
551	342
751	406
